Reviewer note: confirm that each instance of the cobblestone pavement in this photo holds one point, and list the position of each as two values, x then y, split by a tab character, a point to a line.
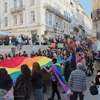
88	96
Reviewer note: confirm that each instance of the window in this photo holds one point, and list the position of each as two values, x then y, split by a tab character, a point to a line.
5	7
66	4
50	19
32	16
46	17
21	2
15	3
6	21
15	19
21	18
32	1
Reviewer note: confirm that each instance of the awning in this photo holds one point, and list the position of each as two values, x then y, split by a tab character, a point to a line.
2	34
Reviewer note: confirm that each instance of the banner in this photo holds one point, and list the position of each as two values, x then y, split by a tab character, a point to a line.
60	45
79	39
78	42
72	44
35	49
53	45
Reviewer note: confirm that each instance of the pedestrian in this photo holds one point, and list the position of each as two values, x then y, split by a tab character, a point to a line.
54	80
13	40
73	61
6	85
24	54
79	58
20	42
90	64
37	81
77	83
33	54
22	85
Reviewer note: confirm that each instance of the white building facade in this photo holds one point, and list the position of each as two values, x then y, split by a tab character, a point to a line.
39	17
55	18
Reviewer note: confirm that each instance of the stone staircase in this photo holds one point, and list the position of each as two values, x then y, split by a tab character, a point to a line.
27	48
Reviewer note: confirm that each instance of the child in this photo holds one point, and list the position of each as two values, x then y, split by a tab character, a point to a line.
54	81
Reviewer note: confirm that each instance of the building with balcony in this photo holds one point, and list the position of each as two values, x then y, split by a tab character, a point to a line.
82	24
53	18
30	17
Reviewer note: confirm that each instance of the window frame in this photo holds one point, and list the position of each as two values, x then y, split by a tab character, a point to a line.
33	12
32	2
14	20
6	21
20	18
5	7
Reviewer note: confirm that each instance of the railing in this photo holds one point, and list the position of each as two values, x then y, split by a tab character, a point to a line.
98	11
55	11
17	9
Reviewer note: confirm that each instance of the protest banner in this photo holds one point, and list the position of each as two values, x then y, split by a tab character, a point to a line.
78	42
72	44
60	45
35	49
53	45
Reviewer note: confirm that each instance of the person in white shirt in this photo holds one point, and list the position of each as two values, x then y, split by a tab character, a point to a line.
20	42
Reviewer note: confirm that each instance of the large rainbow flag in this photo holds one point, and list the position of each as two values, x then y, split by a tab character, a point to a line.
90	39
13	66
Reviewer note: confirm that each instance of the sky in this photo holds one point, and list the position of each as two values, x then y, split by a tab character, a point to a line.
87	6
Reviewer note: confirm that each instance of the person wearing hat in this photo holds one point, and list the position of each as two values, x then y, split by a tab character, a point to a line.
77	83
6	85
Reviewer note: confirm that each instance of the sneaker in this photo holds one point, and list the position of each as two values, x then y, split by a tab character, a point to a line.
63	92
50	98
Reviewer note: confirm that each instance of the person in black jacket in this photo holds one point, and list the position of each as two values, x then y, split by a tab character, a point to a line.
24	54
73	61
33	54
67	70
37	81
13	40
26	78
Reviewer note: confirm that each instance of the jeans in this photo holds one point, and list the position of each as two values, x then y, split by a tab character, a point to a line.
55	90
13	43
20	44
75	96
38	94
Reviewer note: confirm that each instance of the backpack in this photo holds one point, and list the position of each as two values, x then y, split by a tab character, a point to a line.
94	90
21	91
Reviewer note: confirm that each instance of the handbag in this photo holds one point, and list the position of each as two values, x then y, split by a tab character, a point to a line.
94	90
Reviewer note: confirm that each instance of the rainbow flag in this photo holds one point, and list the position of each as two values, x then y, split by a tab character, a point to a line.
13	66
90	39
58	70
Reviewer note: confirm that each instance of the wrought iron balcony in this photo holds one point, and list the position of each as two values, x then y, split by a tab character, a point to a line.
55	11
17	9
76	29
98	12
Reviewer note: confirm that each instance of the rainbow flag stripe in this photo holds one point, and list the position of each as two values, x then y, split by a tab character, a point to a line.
13	66
90	39
58	70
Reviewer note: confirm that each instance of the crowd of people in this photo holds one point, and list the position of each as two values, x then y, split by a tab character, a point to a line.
25	40
78	62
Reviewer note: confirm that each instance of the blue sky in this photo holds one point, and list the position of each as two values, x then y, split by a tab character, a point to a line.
87	6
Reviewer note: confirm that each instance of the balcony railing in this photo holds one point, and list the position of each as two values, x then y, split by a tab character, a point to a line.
53	10
17	9
98	11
